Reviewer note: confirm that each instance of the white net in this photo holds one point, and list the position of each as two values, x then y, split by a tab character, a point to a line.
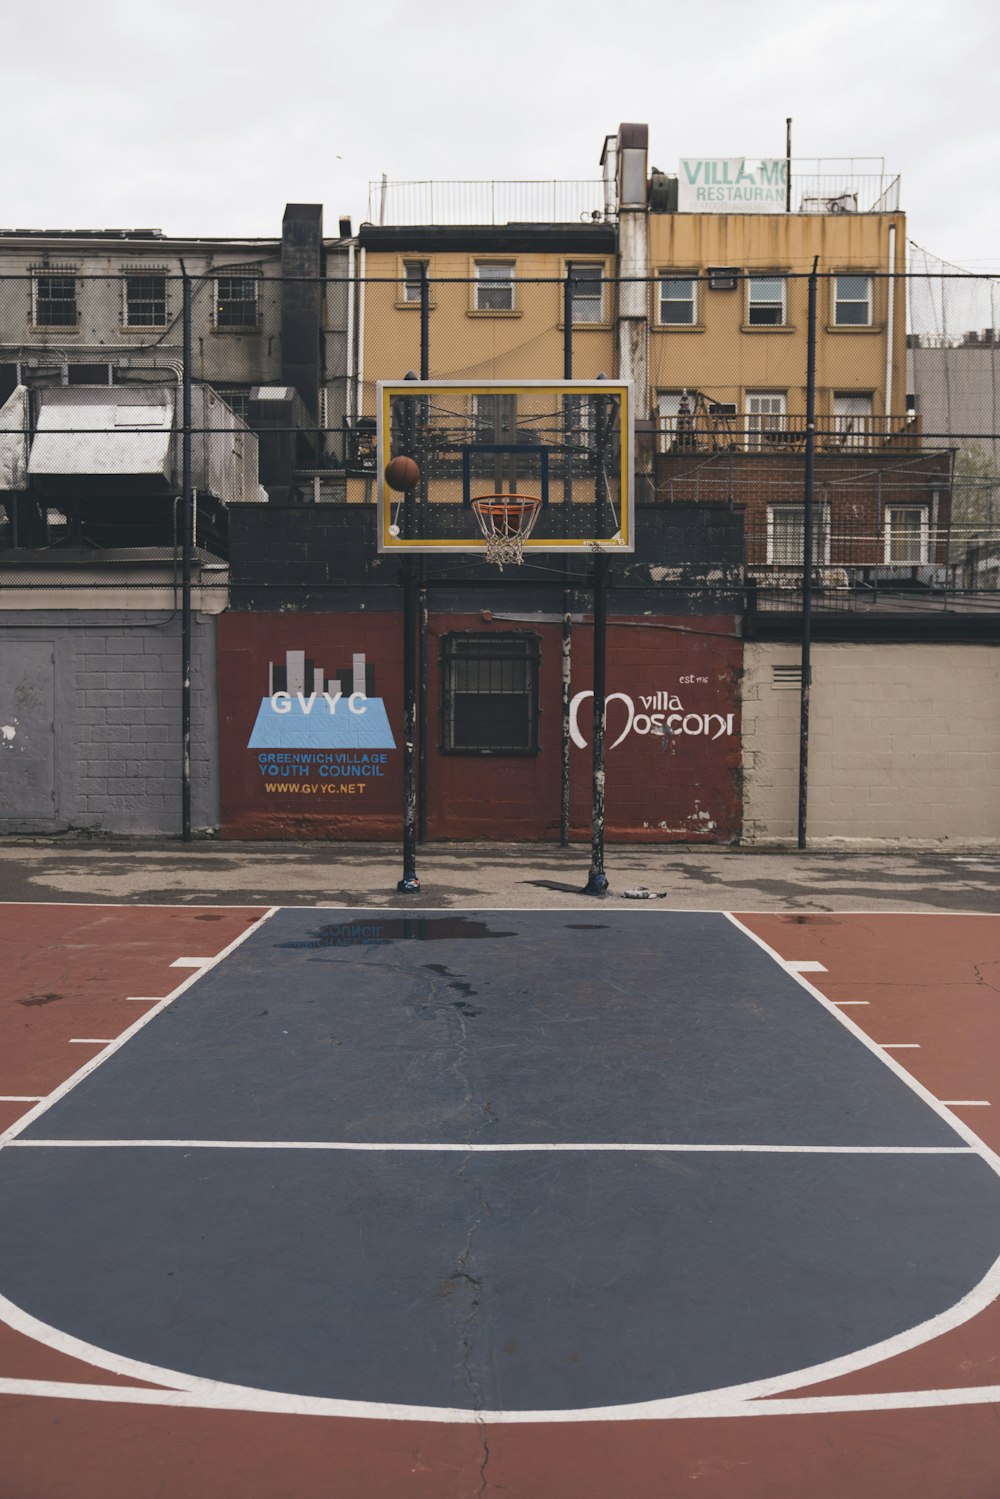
506	522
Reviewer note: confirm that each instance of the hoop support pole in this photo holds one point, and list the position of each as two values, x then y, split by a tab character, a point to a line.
597	880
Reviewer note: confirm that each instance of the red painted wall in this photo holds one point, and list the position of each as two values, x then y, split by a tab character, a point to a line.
673	758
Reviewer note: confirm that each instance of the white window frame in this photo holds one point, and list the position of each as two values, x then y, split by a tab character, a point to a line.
890	530
248	276
582	304
492	283
777	416
845	301
666	279
821	535
411	284
53	273
153	273
782	303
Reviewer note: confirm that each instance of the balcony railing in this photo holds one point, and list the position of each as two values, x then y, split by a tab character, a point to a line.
491	202
715	431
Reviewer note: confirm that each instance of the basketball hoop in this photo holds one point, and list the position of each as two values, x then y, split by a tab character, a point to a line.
506	520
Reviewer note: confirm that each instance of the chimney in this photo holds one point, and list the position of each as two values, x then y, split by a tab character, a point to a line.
302	301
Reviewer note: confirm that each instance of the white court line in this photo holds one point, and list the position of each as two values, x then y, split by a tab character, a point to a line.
480	1148
900	1045
966	1103
21	1097
90	1040
732	1400
144	999
805	965
232	1397
850	1002
77	1077
191	962
937	1105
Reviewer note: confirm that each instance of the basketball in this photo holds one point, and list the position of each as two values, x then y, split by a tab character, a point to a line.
402	473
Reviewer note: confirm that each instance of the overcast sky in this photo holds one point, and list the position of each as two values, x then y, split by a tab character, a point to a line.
206	118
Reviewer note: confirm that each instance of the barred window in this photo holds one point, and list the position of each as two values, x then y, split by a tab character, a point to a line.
489	694
236	301
237	398
145	301
786	534
55	301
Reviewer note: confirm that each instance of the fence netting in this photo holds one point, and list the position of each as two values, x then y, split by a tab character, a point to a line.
275	380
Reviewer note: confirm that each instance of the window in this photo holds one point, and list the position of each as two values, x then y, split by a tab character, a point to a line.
905	533
588	292
413	271
237	398
766	301
852	301
678	301
765	422
852	419
54	301
145	301
494	286
489	694
236	301
786	534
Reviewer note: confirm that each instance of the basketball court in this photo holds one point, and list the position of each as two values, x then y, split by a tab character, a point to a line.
343	1201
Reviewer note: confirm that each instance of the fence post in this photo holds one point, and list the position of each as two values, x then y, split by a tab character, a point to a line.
807	557
567	619
187	533
425	366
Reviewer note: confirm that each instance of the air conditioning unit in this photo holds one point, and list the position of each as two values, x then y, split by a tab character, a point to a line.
723	277
842	203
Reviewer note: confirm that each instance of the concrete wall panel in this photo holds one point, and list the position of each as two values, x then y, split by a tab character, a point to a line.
904	744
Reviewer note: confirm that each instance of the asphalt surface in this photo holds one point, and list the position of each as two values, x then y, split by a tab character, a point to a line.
503	875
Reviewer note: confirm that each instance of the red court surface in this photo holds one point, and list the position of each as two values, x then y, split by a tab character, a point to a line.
924	1423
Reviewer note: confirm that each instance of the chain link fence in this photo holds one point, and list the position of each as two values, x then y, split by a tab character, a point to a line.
264	385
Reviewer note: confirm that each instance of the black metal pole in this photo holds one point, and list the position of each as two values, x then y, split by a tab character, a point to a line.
567	619
425	365
597	881
187	534
409	884
788	166
807	558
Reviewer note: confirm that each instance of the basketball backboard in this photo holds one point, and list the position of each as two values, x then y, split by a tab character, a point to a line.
566	442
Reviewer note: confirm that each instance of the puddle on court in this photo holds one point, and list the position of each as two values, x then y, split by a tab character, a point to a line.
397	929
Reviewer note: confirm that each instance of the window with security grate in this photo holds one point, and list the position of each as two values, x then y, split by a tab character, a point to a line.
489	693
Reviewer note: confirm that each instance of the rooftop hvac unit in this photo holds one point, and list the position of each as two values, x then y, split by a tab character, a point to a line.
723	277
841	203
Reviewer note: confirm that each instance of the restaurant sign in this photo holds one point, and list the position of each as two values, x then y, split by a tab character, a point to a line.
732	184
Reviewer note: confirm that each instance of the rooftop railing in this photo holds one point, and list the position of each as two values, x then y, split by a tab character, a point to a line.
489	202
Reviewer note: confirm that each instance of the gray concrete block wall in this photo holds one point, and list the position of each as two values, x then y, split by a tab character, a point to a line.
116	721
904	745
